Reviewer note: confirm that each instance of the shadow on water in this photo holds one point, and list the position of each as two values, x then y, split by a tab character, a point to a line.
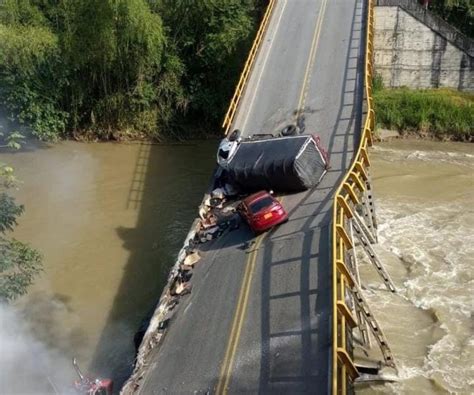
166	189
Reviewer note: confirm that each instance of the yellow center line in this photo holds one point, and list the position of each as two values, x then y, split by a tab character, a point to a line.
235	321
238	319
311	59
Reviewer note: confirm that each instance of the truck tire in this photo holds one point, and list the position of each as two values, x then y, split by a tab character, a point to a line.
290	130
235	135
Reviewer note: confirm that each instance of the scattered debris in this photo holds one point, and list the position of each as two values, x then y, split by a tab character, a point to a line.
209	221
191	259
218	211
218	214
163	325
182	288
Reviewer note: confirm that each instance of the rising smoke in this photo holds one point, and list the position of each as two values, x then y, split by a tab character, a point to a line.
28	365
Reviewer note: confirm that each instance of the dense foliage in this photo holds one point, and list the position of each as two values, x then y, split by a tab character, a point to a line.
443	113
19	263
118	68
459	13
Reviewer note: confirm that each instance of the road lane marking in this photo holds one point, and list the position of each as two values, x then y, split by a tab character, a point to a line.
239	319
239	316
234	324
244	310
311	59
262	69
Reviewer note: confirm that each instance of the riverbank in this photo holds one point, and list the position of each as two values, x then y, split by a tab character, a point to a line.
441	114
183	133
131	69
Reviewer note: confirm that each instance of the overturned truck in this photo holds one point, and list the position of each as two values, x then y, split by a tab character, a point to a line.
282	164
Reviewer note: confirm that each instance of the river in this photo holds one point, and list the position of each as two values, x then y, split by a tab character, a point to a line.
110	219
424	194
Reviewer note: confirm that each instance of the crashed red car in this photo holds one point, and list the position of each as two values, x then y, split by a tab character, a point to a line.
262	211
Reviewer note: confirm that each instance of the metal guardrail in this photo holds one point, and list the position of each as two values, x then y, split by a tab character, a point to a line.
234	103
344	370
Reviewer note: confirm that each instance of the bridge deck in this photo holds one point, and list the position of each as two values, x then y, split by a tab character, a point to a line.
258	319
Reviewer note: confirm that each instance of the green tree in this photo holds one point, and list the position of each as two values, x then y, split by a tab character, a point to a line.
30	78
19	263
460	13
114	51
114	68
211	38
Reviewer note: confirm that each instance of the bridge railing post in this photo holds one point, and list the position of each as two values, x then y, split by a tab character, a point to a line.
350	309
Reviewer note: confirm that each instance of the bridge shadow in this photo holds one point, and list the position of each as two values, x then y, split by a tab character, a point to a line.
354	61
309	328
298	359
166	190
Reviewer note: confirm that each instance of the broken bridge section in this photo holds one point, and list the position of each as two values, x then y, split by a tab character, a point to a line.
260	314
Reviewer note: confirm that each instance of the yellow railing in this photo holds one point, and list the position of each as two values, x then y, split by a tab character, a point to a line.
234	103
349	192
353	184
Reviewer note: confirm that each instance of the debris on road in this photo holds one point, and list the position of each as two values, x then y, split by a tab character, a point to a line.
191	259
282	164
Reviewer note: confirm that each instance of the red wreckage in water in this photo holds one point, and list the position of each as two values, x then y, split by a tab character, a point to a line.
88	386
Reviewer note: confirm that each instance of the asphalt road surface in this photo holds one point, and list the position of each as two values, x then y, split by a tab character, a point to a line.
258	319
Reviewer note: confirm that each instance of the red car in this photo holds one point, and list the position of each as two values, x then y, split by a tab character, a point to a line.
262	211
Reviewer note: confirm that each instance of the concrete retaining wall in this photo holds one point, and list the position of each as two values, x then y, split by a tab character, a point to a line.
416	49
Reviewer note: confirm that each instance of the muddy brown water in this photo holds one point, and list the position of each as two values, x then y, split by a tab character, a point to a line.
110	219
424	193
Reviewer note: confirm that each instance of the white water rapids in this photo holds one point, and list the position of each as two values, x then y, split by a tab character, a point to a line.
424	194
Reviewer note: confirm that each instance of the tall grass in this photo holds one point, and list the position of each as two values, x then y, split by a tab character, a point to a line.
443	113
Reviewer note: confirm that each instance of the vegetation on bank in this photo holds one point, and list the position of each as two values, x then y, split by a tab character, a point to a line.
19	263
123	68
459	13
442	113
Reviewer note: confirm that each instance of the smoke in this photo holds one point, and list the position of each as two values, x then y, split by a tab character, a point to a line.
27	364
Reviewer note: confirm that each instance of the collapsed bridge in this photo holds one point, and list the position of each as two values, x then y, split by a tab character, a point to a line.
282	312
